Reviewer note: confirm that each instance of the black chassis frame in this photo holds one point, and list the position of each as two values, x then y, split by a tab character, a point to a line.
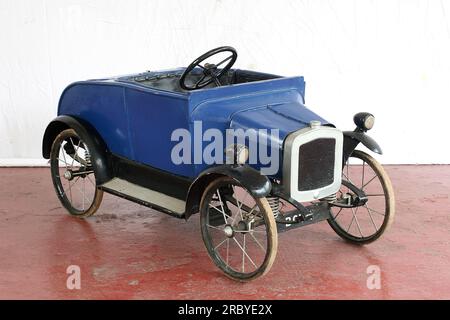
108	166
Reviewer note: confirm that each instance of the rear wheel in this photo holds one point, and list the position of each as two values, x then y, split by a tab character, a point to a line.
73	176
239	231
366	223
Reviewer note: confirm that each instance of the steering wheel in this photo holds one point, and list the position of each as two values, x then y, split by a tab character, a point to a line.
211	72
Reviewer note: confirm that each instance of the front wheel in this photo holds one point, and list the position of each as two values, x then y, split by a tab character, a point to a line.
364	224
239	231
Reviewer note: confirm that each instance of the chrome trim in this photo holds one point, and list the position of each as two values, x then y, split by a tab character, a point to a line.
290	162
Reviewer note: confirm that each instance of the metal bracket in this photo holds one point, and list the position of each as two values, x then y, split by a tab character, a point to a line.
357	200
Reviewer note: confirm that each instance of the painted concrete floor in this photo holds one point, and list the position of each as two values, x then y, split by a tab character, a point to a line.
130	252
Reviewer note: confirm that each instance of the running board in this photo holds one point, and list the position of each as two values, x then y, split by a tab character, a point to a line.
146	197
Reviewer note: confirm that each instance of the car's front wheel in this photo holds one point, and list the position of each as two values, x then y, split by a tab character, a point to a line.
364	224
239	231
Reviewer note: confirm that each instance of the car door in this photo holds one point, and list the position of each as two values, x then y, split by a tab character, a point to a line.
153	116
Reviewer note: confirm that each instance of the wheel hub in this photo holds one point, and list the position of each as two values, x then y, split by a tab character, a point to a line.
242	226
68	175
229	232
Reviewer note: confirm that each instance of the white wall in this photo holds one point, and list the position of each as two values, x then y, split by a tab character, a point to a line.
388	57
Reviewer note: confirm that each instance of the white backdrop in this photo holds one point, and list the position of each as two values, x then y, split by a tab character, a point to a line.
388	57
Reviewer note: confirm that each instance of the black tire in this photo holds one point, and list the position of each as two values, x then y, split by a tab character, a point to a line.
65	148
384	216
258	254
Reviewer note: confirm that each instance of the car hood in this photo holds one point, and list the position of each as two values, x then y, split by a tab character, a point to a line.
284	117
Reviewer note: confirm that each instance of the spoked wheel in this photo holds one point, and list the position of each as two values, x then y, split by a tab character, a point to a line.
364	224
73	176
238	230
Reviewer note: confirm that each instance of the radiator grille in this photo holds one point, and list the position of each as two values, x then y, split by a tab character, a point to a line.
316	164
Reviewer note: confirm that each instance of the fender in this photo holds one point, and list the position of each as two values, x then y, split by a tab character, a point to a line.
353	138
258	185
97	147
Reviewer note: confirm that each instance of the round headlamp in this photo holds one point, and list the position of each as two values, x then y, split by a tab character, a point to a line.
364	120
237	154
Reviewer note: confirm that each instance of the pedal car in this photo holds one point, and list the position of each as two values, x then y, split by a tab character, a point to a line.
162	139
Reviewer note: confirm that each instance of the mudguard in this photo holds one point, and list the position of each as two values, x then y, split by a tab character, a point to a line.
97	147
258	185
353	138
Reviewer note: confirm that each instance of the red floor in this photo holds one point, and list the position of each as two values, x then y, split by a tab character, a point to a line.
129	252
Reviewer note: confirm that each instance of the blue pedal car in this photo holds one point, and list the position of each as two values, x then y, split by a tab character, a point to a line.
239	147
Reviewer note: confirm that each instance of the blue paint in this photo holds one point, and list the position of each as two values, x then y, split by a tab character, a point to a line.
136	121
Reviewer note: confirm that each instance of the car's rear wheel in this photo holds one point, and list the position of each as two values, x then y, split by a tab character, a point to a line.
239	231
364	224
73	176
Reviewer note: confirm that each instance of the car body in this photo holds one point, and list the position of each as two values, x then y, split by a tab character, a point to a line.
128	124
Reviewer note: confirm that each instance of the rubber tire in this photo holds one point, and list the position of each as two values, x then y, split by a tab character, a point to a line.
54	168
272	234
390	203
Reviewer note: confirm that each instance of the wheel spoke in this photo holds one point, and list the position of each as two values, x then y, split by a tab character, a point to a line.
346	177
221	205
339	212
362	188
62	162
253	209
362	179
371	218
259	244
244	207
356	220
215	248
214	227
245	253
351	222
84	192
372	210
222	212
70	189
75	151
84	196
239	206
64	156
375	195
243	256
93	184
249	231
70	192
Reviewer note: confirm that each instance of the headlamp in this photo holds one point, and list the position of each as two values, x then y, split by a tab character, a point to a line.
364	121
237	154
